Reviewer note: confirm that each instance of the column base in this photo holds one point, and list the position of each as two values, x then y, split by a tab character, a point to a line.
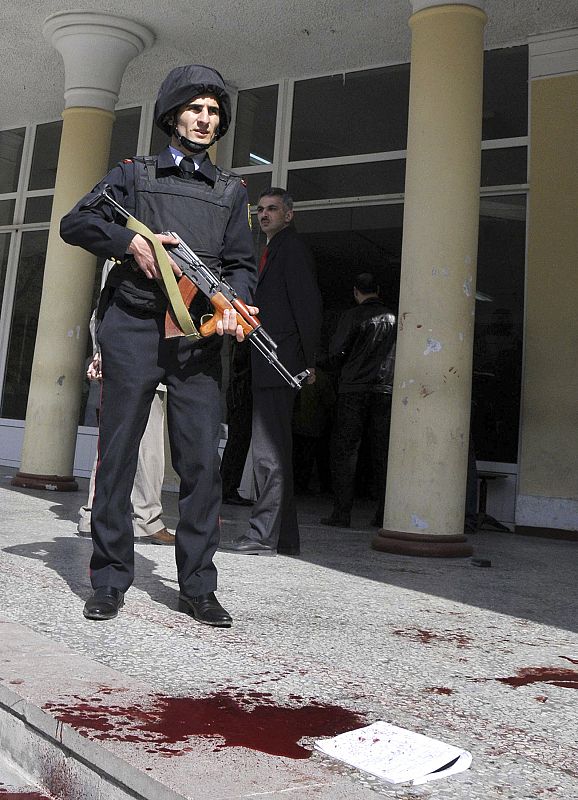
418	544
53	483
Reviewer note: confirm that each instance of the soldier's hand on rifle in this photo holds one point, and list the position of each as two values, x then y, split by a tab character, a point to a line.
144	255
229	323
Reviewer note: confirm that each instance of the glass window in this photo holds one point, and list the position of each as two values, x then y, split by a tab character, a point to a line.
352	180
24	324
255	126
505	111
256	184
498	328
124	139
346	241
45	156
351	113
159	140
7	212
4	248
504	167
11	144
38	209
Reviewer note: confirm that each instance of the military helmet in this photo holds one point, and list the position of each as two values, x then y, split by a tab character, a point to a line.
183	84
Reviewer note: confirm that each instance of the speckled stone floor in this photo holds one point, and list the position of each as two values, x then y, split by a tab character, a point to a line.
483	658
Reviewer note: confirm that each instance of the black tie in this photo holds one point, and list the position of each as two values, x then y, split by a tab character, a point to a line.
187	167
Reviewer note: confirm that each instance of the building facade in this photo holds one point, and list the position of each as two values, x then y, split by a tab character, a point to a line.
347	146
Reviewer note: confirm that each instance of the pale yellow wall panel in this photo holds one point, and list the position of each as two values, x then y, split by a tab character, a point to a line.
549	443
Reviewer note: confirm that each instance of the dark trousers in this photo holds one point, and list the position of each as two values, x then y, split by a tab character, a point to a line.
356	412
135	359
304	455
274	515
310	452
238	437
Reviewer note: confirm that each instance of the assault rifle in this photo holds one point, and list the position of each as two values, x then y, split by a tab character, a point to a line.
198	277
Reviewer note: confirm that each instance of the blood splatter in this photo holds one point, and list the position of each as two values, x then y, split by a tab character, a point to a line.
6	795
439	690
228	717
566	678
427	637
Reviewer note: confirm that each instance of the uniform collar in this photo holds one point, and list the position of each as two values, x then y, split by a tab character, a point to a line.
206	168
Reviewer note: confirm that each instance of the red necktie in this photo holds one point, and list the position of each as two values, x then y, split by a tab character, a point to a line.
263	259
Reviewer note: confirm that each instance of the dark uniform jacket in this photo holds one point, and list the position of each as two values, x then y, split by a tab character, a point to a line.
290	307
209	212
363	346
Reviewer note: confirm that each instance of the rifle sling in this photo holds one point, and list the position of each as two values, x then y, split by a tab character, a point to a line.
169	284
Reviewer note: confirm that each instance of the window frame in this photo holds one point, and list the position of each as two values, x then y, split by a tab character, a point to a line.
18	227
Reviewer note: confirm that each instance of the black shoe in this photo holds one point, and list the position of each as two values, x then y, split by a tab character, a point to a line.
235	499
104	603
205	609
336	521
247	547
288	549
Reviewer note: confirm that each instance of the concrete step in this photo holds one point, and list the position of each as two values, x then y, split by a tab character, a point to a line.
41	752
14	782
83	731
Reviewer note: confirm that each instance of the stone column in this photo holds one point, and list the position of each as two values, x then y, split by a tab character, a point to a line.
428	452
96	49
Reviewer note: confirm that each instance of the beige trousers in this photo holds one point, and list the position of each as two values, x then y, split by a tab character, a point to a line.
146	492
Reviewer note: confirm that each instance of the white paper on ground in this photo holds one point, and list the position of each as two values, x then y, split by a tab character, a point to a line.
395	754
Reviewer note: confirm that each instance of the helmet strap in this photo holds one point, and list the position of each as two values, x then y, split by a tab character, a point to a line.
192	147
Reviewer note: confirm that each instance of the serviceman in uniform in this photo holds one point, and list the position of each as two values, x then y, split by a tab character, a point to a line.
182	191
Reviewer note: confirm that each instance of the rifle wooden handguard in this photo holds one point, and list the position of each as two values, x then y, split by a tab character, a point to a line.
219	302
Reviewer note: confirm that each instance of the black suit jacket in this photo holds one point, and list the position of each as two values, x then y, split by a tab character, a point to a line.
290	307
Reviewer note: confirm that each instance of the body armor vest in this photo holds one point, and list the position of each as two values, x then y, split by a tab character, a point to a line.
194	209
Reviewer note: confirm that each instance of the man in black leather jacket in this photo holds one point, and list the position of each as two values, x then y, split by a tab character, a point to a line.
363	349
